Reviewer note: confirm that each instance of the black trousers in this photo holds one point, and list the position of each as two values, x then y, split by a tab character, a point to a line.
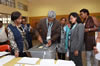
77	59
61	56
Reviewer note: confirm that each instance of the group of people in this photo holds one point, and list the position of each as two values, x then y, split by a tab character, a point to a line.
70	35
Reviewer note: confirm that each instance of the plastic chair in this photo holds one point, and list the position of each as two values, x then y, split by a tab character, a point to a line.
5	48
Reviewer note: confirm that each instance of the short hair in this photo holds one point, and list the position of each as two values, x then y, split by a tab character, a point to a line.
85	11
24	18
51	14
63	18
15	15
1	22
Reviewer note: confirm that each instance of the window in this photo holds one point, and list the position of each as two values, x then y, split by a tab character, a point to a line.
22	6
10	3
5	18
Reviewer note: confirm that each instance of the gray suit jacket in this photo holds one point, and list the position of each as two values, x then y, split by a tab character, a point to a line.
77	38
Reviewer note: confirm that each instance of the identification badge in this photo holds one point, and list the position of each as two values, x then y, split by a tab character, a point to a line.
48	38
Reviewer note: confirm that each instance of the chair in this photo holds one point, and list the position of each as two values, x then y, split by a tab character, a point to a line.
5	48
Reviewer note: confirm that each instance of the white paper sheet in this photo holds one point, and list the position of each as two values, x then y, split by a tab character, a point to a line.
6	59
18	65
47	62
64	63
98	47
26	60
3	53
97	56
31	65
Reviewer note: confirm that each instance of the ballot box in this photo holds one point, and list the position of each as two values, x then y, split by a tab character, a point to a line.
43	52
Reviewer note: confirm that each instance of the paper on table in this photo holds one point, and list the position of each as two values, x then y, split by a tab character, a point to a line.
41	47
31	65
26	60
18	65
97	56
3	53
6	59
64	63
47	62
98	46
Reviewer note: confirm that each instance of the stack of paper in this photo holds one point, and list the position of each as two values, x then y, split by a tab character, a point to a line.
97	56
26	60
47	62
98	46
18	65
4	53
31	65
6	59
64	63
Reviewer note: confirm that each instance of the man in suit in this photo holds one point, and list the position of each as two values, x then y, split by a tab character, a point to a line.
48	29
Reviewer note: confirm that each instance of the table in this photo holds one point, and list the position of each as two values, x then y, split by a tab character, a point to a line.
14	61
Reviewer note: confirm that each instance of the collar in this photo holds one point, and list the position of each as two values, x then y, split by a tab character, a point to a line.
74	26
15	24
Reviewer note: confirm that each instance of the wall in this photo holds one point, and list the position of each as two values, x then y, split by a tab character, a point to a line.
34	20
62	7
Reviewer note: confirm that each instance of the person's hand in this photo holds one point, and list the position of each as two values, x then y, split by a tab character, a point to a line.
86	30
40	39
16	54
76	52
95	50
49	43
66	55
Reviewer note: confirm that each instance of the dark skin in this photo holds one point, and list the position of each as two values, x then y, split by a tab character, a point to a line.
85	16
24	21
17	23
97	24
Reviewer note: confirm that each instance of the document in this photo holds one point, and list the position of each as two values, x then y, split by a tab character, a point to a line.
27	60
31	65
4	53
65	63
97	56
47	62
6	59
98	47
40	46
18	65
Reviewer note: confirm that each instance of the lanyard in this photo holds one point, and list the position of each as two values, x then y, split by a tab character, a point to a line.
49	30
50	24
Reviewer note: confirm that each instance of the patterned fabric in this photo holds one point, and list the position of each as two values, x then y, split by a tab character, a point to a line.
89	36
12	38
